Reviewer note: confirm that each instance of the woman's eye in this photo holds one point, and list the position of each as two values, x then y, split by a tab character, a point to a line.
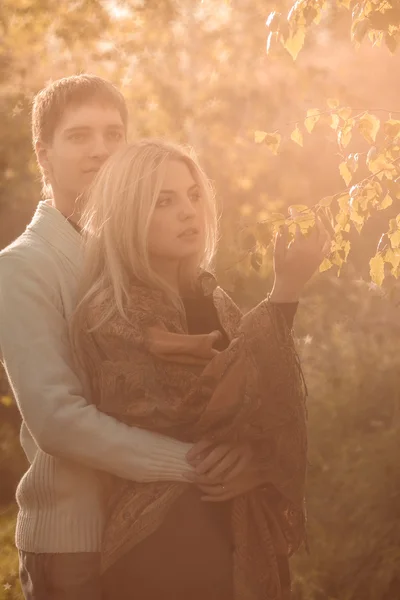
195	197
163	202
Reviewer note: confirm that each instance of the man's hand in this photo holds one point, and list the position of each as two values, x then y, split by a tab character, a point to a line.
218	463
248	480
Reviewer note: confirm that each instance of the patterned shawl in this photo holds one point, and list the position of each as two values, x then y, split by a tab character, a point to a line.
150	373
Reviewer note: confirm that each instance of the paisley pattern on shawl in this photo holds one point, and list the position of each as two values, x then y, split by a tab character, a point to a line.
149	372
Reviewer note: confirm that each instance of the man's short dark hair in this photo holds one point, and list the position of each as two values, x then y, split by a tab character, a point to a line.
51	102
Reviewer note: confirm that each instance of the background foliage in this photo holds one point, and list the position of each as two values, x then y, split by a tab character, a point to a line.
271	132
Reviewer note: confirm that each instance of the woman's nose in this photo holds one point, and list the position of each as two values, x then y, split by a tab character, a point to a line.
187	209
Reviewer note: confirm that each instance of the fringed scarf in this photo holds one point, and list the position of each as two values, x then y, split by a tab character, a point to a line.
150	373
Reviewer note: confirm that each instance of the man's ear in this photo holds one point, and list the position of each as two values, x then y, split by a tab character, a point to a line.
42	154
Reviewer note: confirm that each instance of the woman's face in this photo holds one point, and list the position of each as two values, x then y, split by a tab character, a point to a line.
177	224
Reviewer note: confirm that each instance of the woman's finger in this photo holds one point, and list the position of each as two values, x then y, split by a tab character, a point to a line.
212	459
226	464
198	449
239	467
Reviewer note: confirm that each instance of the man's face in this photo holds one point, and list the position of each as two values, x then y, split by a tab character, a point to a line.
83	140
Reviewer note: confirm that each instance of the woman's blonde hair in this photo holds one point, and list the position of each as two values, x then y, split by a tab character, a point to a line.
117	212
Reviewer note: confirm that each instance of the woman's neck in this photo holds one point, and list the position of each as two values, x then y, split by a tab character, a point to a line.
168	270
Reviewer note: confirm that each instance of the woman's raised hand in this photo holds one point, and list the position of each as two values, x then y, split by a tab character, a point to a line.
295	263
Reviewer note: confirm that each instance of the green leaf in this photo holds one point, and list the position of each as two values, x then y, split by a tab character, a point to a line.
313	116
377	269
297	136
345	173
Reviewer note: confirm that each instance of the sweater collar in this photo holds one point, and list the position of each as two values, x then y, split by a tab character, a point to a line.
54	228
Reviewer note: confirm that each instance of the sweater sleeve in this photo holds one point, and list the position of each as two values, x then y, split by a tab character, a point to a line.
36	354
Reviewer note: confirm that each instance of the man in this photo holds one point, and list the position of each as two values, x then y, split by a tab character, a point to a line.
77	122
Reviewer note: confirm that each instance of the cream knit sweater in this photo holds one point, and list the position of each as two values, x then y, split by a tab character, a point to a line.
64	437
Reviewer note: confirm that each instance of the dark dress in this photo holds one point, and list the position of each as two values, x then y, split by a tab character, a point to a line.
189	557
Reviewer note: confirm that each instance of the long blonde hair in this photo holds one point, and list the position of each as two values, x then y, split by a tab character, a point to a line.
117	212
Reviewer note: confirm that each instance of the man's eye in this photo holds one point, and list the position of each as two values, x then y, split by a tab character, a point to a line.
77	137
115	136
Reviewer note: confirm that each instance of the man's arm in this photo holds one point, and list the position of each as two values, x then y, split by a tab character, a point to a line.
35	350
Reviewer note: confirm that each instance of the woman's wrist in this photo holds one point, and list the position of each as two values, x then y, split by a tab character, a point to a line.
284	292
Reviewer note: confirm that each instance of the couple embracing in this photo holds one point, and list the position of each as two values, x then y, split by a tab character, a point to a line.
165	430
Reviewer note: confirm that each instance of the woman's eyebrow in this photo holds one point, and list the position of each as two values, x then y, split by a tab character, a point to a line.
192	187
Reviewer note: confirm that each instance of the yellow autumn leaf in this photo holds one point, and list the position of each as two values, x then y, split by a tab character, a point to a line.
392	128
259	136
345	3
297	136
313	116
344	136
345	172
6	400
394	239
273	140
332	102
346	249
369	126
335	121
295	42
344	113
343	201
377	269
386	202
325	265
375	37
325	202
380	165
392	257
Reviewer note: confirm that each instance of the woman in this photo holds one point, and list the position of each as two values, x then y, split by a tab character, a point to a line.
166	349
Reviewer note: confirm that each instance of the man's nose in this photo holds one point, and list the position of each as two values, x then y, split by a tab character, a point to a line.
99	147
